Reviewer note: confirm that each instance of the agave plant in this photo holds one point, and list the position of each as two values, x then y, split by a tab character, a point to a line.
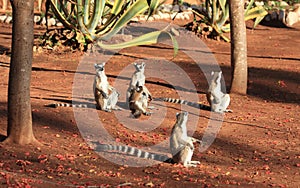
102	19
215	16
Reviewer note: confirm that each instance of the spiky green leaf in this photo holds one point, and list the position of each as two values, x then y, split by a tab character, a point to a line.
257	21
153	4
135	9
146	39
96	15
256	12
59	15
117	7
86	10
222	4
249	6
225	16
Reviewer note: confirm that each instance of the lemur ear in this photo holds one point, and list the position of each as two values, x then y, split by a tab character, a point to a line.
212	73
103	63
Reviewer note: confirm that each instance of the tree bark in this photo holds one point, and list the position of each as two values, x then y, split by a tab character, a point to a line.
238	37
19	128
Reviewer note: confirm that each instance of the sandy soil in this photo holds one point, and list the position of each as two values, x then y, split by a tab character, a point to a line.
257	146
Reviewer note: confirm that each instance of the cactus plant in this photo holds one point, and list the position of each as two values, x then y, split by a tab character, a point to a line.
101	19
215	16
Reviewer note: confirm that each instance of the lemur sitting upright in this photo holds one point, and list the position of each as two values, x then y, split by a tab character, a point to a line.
101	87
181	146
138	102
218	100
138	79
106	96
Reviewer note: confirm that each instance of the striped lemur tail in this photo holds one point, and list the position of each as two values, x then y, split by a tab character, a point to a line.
55	105
179	101
132	151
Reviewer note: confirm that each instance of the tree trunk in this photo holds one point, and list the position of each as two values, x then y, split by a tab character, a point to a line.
238	48
19	108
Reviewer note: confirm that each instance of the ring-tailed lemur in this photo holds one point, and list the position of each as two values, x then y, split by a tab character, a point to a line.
138	79
56	105
218	100
180	101
138	102
104	100
132	151
181	146
101	87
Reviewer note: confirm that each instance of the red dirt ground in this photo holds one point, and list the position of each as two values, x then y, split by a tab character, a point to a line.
257	146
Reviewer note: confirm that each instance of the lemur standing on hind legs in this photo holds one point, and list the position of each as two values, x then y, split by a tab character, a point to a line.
181	146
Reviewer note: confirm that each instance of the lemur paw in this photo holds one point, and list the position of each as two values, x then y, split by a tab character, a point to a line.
151	107
117	109
147	113
107	110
